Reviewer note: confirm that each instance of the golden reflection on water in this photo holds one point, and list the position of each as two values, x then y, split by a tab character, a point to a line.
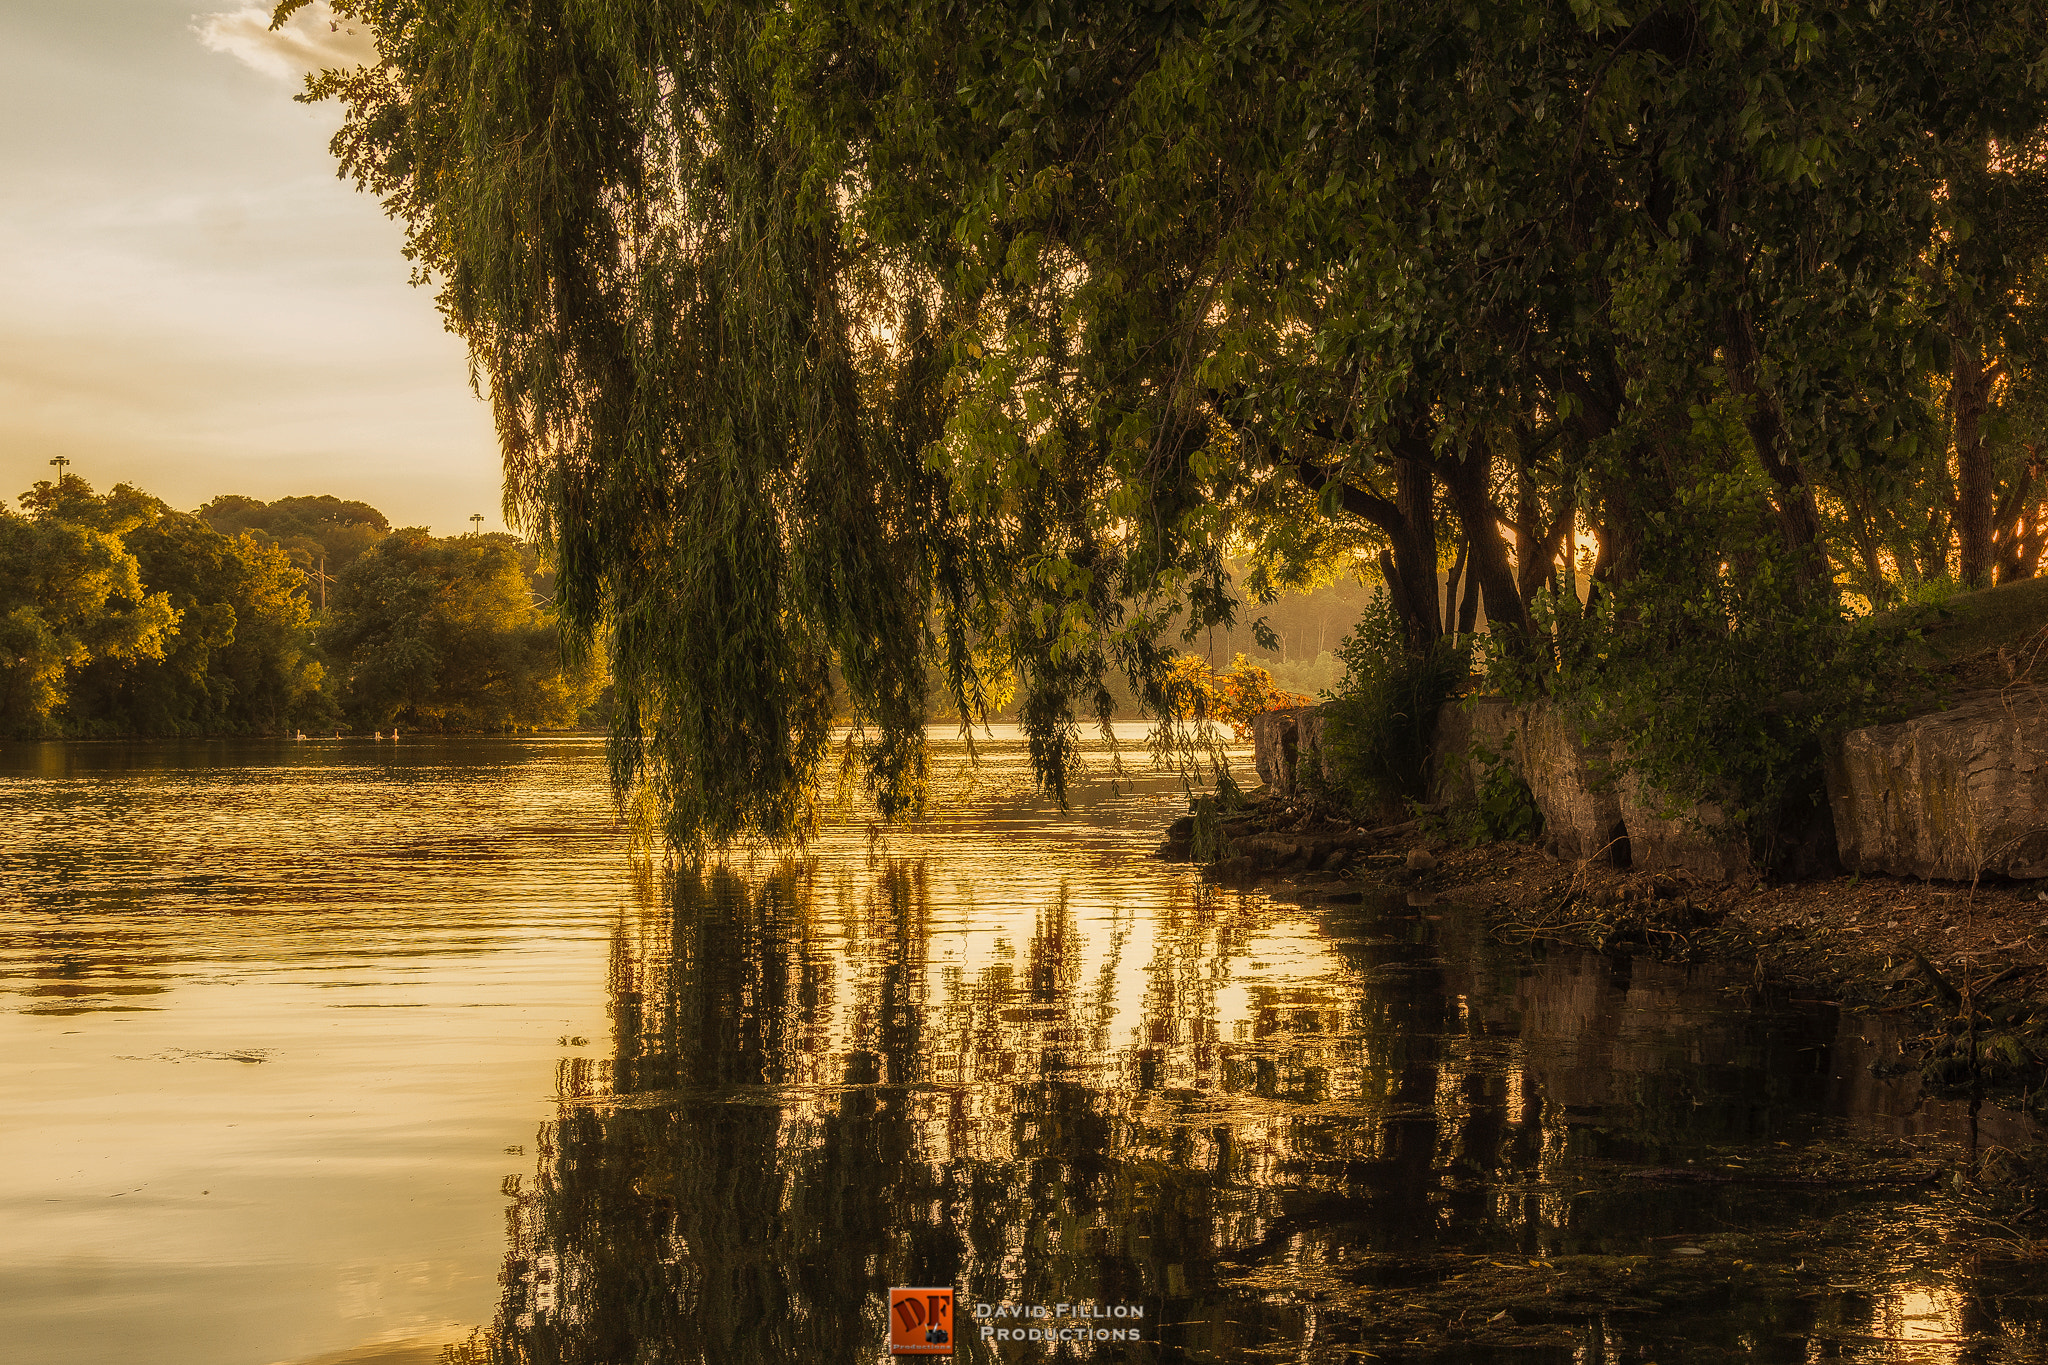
1065	1077
399	934
324	1048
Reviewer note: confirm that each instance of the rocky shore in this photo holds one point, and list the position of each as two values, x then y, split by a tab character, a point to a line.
1967	963
1961	970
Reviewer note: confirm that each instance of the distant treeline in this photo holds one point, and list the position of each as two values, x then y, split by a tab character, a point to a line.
120	615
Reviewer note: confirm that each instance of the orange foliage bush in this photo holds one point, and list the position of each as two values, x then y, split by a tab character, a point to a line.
1232	698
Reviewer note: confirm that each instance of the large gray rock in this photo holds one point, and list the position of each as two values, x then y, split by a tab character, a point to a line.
1691	837
1581	810
1455	770
1588	811
1282	741
1949	795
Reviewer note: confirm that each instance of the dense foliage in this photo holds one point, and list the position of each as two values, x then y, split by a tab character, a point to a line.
120	616
71	595
238	661
926	333
151	623
1383	719
1230	698
323	534
445	634
1724	684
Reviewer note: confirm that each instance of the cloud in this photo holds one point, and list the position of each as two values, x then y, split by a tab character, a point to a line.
312	40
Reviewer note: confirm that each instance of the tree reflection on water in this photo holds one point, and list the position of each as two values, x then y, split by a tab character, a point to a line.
1286	1146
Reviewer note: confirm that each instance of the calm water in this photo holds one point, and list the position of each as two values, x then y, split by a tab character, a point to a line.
341	1051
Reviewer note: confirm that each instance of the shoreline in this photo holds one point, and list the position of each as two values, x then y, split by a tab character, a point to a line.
1965	965
1957	973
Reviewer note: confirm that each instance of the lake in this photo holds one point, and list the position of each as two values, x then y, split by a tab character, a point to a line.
347	1051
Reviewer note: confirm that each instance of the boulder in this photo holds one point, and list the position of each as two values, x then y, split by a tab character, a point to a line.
1455	771
1581	810
1948	795
1694	838
1281	739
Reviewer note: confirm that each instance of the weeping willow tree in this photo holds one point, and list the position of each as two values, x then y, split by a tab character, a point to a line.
832	344
725	405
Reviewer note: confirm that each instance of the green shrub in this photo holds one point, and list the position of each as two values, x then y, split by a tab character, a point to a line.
1379	724
1716	671
1205	840
1505	809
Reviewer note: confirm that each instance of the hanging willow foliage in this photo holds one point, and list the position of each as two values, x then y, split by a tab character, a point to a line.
832	342
724	409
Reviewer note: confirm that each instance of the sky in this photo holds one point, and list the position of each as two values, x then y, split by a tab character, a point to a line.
192	302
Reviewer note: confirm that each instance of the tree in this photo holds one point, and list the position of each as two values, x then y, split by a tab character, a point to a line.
1234	698
236	657
71	595
820	335
444	634
240	661
1622	246
1963	500
320	533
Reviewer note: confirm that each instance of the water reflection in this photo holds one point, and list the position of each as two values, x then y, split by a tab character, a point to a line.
827	1080
270	1016
1000	1049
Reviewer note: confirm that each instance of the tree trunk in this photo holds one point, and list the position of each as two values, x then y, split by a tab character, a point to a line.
1876	586
1414	553
1798	516
1451	585
1469	481
1529	529
2021	532
1969	396
1468	609
1408	520
1619	533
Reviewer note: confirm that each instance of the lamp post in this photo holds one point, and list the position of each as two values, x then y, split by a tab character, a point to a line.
476	523
61	462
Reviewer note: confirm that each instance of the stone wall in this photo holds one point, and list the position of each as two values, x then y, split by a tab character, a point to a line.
1581	809
1454	771
1280	740
1588	813
1954	794
1695	838
1582	815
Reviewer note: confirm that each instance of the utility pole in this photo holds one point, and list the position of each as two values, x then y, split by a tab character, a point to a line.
476	523
319	576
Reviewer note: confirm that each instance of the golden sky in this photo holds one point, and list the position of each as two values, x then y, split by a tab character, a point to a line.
192	302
